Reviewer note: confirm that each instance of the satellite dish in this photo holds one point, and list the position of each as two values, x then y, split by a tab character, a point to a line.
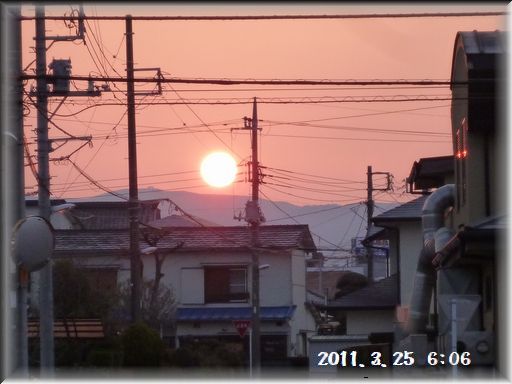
33	242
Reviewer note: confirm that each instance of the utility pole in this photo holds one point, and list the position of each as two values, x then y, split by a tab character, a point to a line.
133	202
254	217
14	315
369	215
43	169
44	147
370	204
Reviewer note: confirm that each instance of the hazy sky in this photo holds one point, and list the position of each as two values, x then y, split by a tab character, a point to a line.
300	142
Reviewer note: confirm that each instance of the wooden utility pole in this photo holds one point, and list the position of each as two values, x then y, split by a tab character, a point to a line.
47	358
133	202
369	215
370	204
254	217
43	170
256	334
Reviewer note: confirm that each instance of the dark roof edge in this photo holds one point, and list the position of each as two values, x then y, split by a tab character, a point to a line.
355	308
377	221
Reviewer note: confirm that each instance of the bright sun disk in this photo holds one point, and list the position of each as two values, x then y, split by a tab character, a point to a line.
218	169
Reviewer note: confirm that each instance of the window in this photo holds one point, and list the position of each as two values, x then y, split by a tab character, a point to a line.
225	284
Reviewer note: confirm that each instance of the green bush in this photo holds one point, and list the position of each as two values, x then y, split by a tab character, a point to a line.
103	358
207	354
141	346
183	358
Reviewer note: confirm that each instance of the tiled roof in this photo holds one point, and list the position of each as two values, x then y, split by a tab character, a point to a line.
75	242
379	295
180	221
111	214
405	212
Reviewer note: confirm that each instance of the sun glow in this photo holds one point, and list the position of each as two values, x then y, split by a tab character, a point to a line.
218	169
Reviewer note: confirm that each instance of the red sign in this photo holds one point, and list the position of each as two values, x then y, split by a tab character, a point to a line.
242	326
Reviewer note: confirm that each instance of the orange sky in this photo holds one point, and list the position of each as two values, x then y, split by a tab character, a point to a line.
339	147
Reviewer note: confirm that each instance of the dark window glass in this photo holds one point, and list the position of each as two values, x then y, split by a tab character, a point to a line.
225	284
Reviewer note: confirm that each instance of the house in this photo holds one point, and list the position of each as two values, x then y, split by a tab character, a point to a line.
470	264
447	246
208	269
430	173
90	215
374	316
461	265
95	214
365	322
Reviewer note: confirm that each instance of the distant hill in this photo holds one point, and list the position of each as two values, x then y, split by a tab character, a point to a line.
331	224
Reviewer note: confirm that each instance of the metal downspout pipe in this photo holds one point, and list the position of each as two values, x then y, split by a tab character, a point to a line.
425	278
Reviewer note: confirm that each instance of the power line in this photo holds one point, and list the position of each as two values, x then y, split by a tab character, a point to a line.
226	81
96	153
290	183
276	17
363	129
342	185
339	88
334	200
305	214
302	100
292	218
348	229
358	139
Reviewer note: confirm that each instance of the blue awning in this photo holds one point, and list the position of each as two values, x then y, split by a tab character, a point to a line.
233	313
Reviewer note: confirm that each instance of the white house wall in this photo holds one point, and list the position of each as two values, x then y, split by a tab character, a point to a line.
275	282
303	321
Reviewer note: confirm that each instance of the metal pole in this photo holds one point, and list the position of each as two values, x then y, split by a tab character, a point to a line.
43	149
250	352
133	202
369	210
14	334
254	242
23	278
454	332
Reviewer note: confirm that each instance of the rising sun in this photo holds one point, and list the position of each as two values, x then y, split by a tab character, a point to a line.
218	169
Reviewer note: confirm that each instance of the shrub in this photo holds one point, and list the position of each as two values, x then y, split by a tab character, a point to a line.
141	346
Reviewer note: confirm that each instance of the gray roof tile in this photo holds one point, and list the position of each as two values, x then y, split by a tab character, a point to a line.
381	294
405	212
77	242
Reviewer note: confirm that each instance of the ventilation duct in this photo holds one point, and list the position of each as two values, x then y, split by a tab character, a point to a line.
424	280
